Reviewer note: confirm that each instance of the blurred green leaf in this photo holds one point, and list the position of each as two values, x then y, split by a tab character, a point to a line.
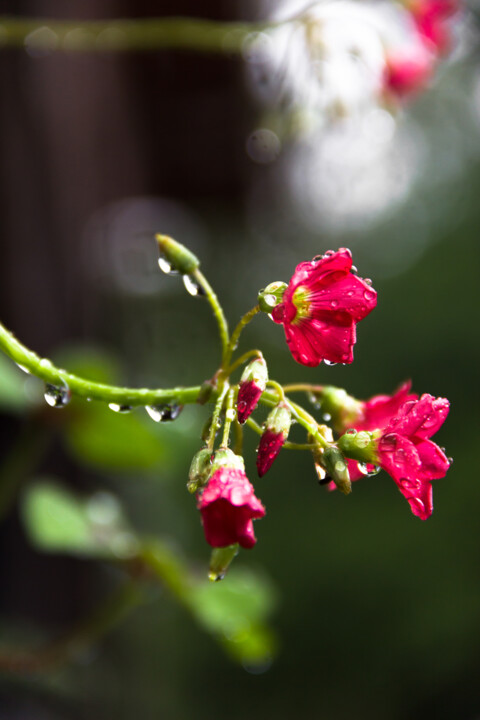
113	441
58	521
90	362
236	610
12	383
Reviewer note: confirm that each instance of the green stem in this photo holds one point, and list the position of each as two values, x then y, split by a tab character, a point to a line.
230	415
46	34
47	371
274	384
217	310
303	387
248	317
216	415
242	359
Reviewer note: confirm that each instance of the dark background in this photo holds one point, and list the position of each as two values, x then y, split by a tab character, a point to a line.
378	614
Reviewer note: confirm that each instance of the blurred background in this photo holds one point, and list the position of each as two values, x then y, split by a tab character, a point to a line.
362	610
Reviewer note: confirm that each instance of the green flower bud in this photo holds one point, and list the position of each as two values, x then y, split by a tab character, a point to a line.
359	446
177	256
200	470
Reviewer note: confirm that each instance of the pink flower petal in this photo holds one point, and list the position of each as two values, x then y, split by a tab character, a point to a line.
434	461
348	294
380	409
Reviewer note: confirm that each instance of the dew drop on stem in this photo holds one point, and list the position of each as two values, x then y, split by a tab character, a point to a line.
192	286
166	266
57	396
164	413
119	408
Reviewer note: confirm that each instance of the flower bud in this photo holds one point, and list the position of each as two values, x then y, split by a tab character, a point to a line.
220	560
359	446
271	296
276	432
200	470
252	384
181	260
343	409
336	467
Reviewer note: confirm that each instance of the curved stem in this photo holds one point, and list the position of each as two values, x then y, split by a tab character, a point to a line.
47	371
128	34
303	387
242	359
248	317
217	310
274	384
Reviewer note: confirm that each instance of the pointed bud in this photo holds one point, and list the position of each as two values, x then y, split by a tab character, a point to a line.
359	446
200	470
276	432
252	384
220	560
177	256
271	296
336	467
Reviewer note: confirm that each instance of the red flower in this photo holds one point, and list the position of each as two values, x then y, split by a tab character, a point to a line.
228	505
320	307
430	17
377	412
410	458
407	74
252	385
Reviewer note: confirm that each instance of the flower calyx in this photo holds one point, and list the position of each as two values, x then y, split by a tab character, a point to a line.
220	561
336	467
271	296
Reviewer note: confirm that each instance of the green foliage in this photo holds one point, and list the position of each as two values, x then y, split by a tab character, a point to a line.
12	382
57	521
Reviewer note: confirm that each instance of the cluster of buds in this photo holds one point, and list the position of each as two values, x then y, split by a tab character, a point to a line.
319	310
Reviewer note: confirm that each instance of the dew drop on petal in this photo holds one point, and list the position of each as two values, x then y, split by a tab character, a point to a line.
334	303
354	269
367	281
56	396
450	460
329	253
350	431
369	295
363	468
119	408
317	258
330	363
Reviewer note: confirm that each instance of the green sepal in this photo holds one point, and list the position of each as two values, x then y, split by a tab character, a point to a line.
359	446
336	467
271	296
200	470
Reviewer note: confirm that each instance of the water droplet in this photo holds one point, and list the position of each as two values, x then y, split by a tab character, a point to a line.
119	408
354	269
362	439
367	281
417	505
329	253
166	266
450	460
326	417
369	295
334	303
230	414
340	466
350	431
46	364
192	286
350	293
270	300
317	258
410	485
329	362
363	467
56	396
164	413
23	368
215	577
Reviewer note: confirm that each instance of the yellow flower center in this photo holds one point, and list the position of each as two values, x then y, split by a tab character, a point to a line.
300	299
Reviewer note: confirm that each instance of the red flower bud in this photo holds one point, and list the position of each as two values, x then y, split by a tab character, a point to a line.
228	505
252	384
276	432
